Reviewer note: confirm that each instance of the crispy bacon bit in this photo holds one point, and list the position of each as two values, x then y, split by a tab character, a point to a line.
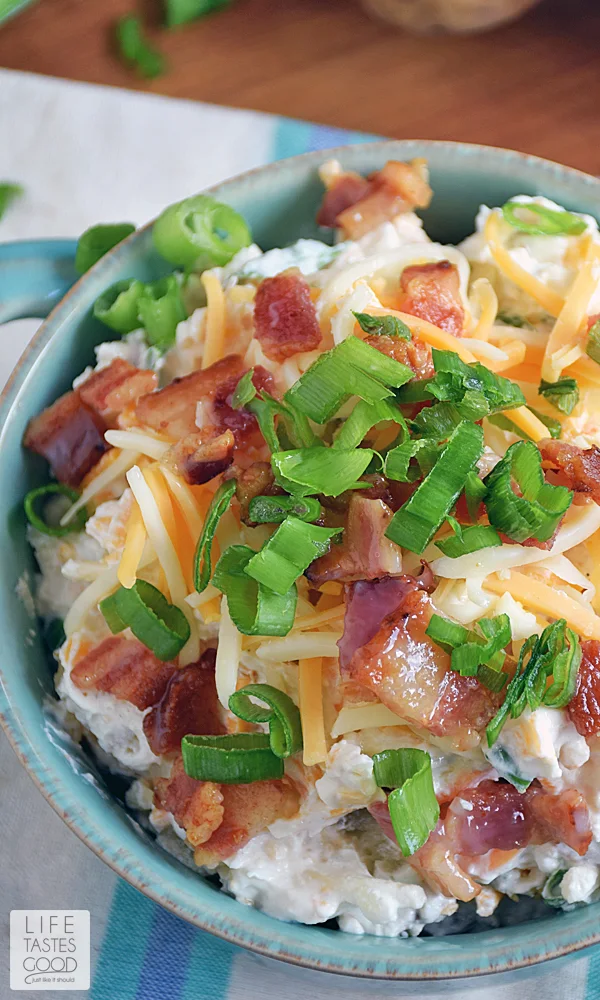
412	676
241	421
561	819
285	319
111	389
200	458
126	669
189	705
368	603
365	553
435	861
412	353
357	206
347	190
70	436
256	481
197	806
492	816
432	292
219	819
577	468
584	708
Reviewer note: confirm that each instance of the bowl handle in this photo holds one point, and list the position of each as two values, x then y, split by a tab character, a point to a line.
34	276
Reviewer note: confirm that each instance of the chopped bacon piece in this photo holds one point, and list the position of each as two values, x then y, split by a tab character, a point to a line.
285	319
432	292
347	190
436	860
492	816
197	806
584	708
365	553
357	206
219	819
578	468
560	819
413	353
111	389
241	421
256	481
412	676
70	436
368	603
200	458
124	668
189	706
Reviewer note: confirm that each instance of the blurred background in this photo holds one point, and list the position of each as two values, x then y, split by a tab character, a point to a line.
518	73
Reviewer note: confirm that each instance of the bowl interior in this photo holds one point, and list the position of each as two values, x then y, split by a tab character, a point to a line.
280	203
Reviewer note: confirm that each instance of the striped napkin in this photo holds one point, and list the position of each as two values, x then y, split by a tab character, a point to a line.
84	154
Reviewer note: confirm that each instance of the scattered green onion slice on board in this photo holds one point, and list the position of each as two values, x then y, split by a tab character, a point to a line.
281	714
547	221
135	49
414	809
382	326
97	241
288	552
234	759
200	232
416	522
254	608
117	307
161	308
539	510
42	494
274	510
202	558
160	626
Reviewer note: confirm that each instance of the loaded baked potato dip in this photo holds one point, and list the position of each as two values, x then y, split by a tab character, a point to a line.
319	556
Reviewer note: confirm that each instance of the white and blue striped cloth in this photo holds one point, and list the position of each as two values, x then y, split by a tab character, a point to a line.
87	154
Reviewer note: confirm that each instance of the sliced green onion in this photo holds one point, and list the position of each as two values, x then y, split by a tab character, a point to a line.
364	416
43	493
353	368
234	759
179	12
425	451
551	891
135	49
475	491
244	391
117	307
593	343
8	194
563	394
161	308
536	513
549	221
477	652
416	391
265	408
162	627
557	653
288	552
415	524
202	558
98	240
254	608
505	424
274	510
414	809
510	319
330	471
468	539
200	232
473	388
383	326
281	715
437	422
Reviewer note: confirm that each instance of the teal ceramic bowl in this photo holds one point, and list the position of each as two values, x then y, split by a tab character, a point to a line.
279	202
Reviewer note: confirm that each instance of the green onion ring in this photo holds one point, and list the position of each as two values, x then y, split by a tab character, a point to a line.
53	489
414	809
200	232
235	759
202	559
282	715
117	307
160	626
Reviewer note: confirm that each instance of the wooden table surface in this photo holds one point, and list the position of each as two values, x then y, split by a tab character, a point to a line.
533	86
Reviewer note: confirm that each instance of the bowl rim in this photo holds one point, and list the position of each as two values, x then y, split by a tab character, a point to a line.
125	863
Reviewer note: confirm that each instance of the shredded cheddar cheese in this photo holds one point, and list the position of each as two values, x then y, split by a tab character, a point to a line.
135	540
550	300
215	319
106	477
430	334
310	688
563	342
547	601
